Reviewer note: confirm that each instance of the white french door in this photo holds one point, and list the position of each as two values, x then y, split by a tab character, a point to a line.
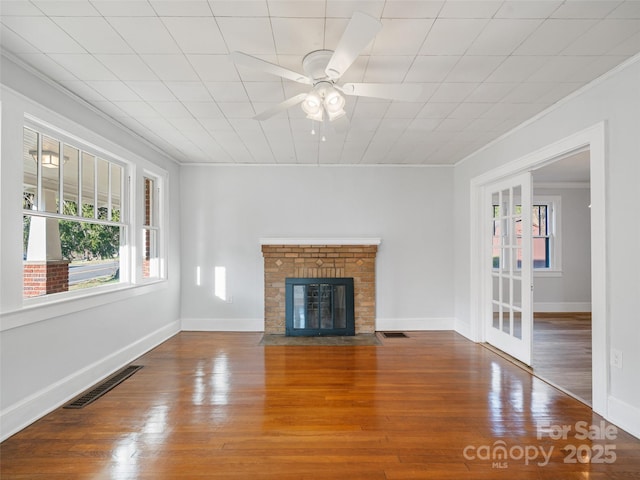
509	317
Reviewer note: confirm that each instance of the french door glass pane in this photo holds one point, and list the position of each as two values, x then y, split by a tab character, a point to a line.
495	289
505	297
517	271
506	321
496	241
517	293
517	324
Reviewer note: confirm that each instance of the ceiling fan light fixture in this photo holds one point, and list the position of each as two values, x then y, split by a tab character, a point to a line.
312	105
334	104
333	101
335	115
315	116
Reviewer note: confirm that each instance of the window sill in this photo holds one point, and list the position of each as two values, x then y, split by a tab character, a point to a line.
547	273
43	308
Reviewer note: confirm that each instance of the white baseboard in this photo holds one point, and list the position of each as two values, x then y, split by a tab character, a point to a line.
463	329
21	414
562	306
223	324
391	324
624	416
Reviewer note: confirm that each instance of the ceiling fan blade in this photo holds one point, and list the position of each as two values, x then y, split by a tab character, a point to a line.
359	32
281	107
240	58
390	91
340	125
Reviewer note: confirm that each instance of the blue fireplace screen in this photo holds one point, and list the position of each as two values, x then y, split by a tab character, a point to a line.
319	306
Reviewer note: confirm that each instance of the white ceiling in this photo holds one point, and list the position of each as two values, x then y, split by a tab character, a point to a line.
162	69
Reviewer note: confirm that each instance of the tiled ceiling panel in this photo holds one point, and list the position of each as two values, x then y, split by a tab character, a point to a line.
162	69
94	34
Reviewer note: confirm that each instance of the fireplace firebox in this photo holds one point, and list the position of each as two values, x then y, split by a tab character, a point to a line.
319	306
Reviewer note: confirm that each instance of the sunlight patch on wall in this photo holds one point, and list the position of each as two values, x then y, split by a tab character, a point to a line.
220	283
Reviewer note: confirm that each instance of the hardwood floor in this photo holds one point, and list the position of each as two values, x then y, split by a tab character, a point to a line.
219	406
562	351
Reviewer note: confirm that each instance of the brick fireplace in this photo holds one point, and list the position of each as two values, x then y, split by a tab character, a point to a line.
323	258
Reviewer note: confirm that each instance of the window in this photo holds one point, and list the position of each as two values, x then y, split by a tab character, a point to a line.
151	229
73	206
541	238
545	232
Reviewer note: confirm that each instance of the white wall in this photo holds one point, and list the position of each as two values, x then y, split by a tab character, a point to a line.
226	210
570	291
49	354
615	100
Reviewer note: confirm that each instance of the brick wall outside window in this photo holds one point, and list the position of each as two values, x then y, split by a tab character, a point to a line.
43	278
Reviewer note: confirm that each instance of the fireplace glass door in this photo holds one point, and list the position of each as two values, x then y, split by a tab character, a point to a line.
319	306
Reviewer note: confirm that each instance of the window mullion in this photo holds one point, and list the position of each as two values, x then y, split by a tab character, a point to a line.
40	200
80	161
109	168
61	178
95	187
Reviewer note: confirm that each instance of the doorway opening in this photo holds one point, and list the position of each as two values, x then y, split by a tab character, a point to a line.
561	350
592	140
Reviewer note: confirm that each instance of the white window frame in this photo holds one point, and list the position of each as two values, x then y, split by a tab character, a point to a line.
554	219
554	216
131	222
66	138
158	226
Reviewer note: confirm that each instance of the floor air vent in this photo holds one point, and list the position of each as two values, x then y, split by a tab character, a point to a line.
111	382
394	335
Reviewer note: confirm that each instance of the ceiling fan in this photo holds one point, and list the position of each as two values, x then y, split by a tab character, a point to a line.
323	69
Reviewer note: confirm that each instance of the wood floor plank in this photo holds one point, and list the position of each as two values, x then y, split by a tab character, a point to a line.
562	351
220	406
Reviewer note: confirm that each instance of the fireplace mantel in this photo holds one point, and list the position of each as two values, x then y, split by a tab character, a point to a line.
320	241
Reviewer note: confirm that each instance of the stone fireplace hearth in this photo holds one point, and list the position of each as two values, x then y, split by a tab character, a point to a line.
319	258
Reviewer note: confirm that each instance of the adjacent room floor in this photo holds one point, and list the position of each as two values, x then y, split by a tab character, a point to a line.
219	405
562	351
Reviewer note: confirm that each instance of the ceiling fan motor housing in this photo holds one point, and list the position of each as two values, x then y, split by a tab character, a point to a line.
315	63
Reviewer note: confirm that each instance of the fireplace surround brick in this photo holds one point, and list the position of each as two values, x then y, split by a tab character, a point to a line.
321	261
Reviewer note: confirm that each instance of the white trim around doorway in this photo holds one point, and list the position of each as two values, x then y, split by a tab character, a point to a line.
593	138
